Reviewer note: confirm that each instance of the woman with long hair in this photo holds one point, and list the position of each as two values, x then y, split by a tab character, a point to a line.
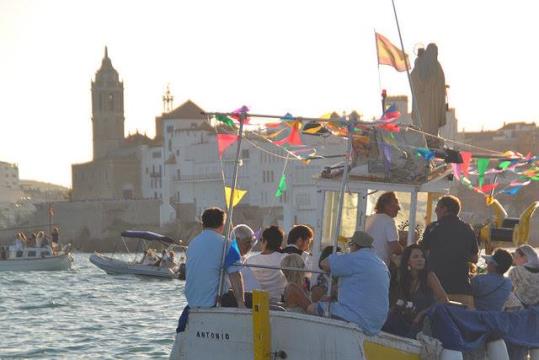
418	289
294	296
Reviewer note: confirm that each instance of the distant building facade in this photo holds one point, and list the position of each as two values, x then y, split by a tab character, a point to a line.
10	191
516	136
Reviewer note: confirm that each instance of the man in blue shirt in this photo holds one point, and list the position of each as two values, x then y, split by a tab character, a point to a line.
204	256
491	290
363	296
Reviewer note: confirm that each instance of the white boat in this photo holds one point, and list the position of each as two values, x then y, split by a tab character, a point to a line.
117	266
36	259
229	333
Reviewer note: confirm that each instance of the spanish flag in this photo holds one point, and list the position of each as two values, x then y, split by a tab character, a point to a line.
389	54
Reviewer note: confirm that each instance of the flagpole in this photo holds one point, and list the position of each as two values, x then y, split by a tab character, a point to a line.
352	120
230	207
414	99
378	62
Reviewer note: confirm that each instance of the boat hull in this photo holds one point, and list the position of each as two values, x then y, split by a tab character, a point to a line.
52	263
228	332
115	266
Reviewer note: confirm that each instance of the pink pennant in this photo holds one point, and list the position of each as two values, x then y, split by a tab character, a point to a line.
390	127
466	159
489	187
224	141
294	138
456	171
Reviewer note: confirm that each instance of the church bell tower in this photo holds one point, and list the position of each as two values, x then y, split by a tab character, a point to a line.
107	109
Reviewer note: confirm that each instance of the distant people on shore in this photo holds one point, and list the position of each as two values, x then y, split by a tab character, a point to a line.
451	245
491	290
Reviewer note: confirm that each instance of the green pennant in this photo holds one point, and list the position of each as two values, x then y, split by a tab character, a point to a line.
282	187
504	165
482	165
225	120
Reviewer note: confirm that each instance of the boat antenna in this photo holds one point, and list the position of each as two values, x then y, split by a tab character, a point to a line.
407	64
352	121
230	208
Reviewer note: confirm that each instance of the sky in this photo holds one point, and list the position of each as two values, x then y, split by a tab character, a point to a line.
303	57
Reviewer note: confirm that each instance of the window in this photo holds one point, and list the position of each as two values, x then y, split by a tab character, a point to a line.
178	174
245	154
178	152
32	253
45	253
170	129
156	154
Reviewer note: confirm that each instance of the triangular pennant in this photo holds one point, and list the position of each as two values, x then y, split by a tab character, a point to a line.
238	195
466	159
282	186
225	120
482	165
224	141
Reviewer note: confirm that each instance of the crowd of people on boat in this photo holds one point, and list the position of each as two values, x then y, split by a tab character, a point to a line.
380	283
37	239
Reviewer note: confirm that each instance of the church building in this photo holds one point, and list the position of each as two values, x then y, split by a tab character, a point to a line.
114	172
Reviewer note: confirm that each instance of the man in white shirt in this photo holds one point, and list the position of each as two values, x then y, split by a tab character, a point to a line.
381	226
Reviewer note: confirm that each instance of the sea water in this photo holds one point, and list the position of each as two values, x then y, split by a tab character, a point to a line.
86	313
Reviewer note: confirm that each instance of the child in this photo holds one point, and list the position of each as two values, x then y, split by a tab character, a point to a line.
491	290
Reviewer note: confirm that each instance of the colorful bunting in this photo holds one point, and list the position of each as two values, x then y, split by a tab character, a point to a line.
294	138
466	159
233	255
391	114
482	165
282	186
225	120
488	188
238	195
425	153
224	141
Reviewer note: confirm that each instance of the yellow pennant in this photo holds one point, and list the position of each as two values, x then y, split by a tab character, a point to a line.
238	195
326	116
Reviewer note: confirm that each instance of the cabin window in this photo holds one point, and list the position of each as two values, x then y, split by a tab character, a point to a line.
45	253
32	253
348	220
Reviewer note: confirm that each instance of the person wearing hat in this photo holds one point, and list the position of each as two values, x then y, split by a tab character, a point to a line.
525	275
363	295
491	290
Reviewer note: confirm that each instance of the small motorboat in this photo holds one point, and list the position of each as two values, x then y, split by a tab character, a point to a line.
156	268
36	259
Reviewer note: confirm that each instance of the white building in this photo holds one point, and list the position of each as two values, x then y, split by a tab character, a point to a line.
191	176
